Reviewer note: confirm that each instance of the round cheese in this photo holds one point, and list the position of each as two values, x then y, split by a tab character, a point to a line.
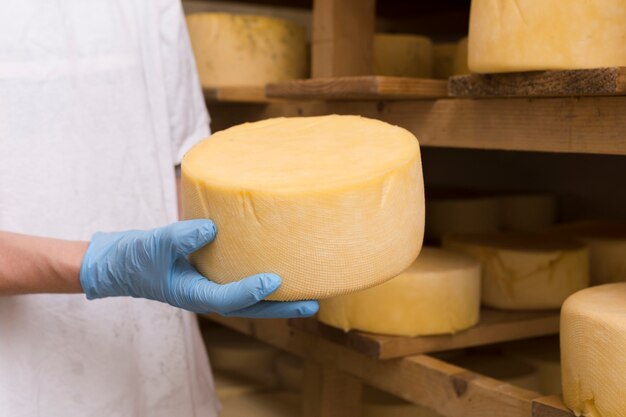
607	247
290	372
275	404
544	355
525	271
439	293
443	59
377	403
527	212
403	55
332	204
502	368
246	50
531	35
460	58
593	351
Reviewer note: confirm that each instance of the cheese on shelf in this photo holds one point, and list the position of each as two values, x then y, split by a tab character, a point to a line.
527	212
232	385
544	355
460	58
607	247
502	368
332	204
439	293
235	50
530	35
593	351
525	271
377	403
290	372
403	55
275	404
443	59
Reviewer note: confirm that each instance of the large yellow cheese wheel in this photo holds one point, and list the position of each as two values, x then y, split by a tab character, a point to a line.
607	247
443	59
461	58
528	212
593	351
333	204
528	35
231	385
246	50
439	293
403	55
523	271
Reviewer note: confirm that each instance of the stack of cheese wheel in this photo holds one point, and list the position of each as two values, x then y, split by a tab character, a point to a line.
438	294
290	372
544	355
246	50
460	66
274	404
443	59
403	55
528	211
502	368
607	247
332	204
378	403
530	35
524	271
593	347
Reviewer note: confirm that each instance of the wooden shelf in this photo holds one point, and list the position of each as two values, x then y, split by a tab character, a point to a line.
236	94
494	326
448	389
585	82
369	87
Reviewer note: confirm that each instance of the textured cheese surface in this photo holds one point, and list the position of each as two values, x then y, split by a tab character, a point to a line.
593	351
527	35
461	58
607	247
443	59
275	404
246	50
524	271
376	403
403	55
527	212
290	372
439	293
503	368
332	204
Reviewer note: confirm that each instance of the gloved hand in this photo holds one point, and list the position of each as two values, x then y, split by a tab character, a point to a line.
153	264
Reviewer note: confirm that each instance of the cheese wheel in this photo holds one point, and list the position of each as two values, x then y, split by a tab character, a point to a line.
403	55
544	355
246	50
502	368
443	59
378	403
523	271
530	35
451	212
232	385
290	372
527	212
593	351
607	247
275	404
439	293
332	204
460	58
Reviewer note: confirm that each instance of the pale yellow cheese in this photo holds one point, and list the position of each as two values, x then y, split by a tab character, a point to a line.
332	204
439	293
523	271
528	35
502	368
544	355
593	351
376	403
443	59
290	372
403	55
607	247
232	385
528	212
460	58
275	404
246	50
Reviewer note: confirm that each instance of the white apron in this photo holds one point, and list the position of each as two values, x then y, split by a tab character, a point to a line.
99	100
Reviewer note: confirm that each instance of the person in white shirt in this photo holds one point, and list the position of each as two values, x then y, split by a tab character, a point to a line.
99	100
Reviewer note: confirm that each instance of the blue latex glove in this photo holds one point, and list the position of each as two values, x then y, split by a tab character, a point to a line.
153	264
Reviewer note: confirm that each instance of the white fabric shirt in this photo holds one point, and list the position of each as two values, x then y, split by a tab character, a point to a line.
99	100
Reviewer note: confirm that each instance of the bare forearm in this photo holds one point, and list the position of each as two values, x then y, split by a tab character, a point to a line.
30	264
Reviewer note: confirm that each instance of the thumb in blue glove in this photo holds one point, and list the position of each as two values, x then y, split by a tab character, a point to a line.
153	264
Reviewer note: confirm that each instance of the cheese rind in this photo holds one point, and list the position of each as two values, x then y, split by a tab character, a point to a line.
593	342
443	59
439	293
461	58
403	55
235	50
332	204
528	212
524	271
531	35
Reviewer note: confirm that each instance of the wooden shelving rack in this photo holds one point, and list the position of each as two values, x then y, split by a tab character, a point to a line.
556	111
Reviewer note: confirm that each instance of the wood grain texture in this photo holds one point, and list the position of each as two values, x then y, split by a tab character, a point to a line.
550	406
585	82
237	94
448	389
359	88
494	326
328	392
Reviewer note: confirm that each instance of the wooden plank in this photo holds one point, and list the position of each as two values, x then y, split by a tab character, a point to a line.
238	94
373	87
330	393
343	32
551	406
495	326
450	390
594	125
584	82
